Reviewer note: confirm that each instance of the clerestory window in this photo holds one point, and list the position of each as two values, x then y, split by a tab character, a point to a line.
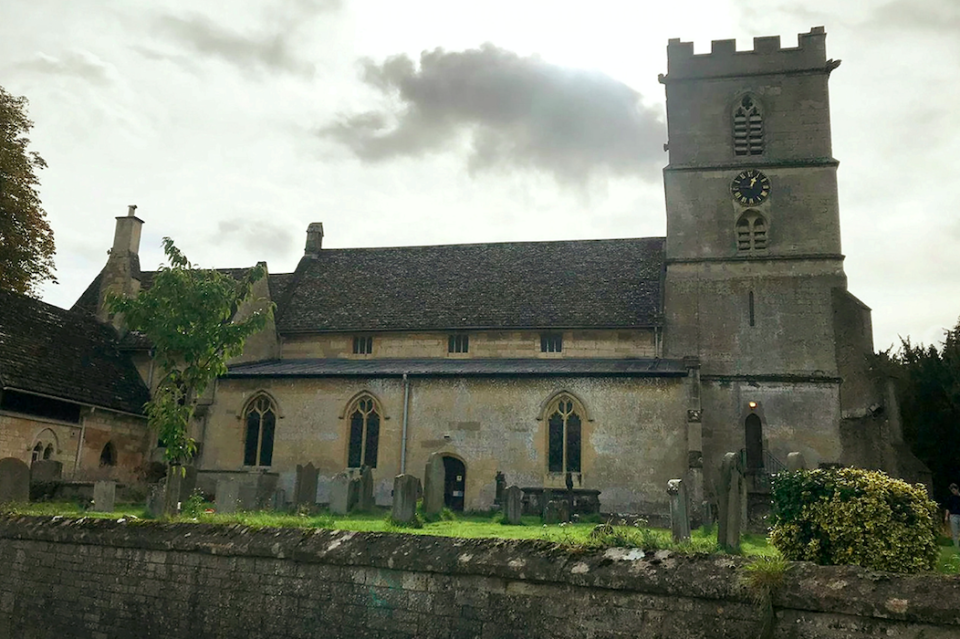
261	418
364	433
363	345
748	127
751	232
551	343
458	344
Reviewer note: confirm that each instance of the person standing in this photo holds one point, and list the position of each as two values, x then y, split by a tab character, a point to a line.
953	514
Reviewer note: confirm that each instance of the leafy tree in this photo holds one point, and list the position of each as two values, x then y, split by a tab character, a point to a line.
26	240
928	390
190	316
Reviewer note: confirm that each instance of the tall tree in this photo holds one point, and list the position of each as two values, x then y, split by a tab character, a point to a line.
26	240
191	318
928	389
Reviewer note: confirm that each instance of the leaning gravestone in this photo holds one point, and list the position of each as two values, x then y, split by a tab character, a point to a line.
679	512
46	470
14	481
104	496
551	512
795	461
405	490
730	507
228	495
433	484
305	487
155	499
340	494
512	505
365	501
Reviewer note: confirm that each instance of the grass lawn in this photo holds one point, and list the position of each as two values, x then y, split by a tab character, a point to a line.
463	525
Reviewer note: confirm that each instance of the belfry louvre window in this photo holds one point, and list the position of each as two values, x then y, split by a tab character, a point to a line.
458	344
363	345
748	127
751	232
364	433
261	419
563	435
551	343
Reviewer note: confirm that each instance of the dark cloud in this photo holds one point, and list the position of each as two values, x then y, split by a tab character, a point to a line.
77	64
517	112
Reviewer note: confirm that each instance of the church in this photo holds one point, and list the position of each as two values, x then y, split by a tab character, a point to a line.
615	364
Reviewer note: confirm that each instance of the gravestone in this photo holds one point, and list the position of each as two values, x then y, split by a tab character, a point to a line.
104	496
46	470
551	512
14	481
353	496
188	482
501	484
155	500
340	494
405	491
278	500
512	505
564	509
730	507
305	486
795	461
679	512
365	501
434	479
228	496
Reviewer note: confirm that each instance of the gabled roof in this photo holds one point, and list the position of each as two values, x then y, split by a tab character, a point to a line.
65	354
572	284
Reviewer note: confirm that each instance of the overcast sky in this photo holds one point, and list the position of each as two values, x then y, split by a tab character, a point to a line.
233	125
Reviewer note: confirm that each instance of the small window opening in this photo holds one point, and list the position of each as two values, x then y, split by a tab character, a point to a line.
363	345
37	454
551	343
458	344
750	303
751	232
108	456
48	451
748	128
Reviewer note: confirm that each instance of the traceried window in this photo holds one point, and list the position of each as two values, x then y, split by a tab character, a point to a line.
748	127
564	419
551	342
363	345
364	433
751	232
37	454
458	344
261	419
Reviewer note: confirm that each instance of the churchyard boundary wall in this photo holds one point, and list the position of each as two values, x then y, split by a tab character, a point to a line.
103	579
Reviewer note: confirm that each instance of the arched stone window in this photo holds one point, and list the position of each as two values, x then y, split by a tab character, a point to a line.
751	232
37	454
748	127
44	446
48	452
564	416
108	456
364	434
261	421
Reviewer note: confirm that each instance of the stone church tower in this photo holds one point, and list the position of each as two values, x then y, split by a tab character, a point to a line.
755	286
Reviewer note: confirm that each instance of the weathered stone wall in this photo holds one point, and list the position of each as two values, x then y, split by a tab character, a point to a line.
95	579
633	433
525	344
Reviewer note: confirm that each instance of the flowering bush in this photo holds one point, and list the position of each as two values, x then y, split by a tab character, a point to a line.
853	516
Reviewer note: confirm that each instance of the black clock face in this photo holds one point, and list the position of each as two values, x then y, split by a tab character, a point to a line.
750	187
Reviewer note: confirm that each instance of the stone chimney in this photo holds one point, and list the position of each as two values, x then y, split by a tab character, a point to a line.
314	239
121	275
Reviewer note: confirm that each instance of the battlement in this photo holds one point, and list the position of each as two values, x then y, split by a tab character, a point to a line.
767	56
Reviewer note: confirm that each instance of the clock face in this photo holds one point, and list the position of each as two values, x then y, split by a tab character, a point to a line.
750	187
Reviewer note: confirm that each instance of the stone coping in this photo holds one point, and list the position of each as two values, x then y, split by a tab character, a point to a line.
849	590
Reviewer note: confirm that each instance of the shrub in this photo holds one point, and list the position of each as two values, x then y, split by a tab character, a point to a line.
853	516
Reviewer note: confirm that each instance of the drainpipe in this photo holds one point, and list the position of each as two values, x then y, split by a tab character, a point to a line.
83	430
403	435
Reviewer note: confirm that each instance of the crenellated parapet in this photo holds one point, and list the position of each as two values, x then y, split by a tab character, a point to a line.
766	57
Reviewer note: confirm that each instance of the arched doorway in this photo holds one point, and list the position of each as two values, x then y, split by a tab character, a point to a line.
753	432
456	480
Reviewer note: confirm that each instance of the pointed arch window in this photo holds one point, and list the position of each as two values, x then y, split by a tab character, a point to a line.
364	433
564	420
108	456
748	127
261	419
751	232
